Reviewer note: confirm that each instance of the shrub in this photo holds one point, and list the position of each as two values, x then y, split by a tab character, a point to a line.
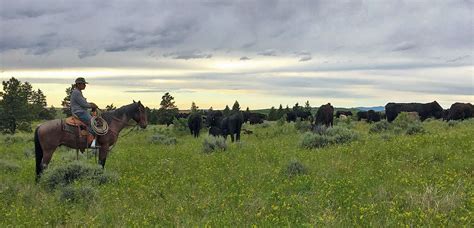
310	140
413	129
83	194
341	135
281	121
324	137
295	168
381	126
180	125
404	119
302	126
9	166
211	144
319	129
397	130
347	122
24	126
12	139
163	139
70	172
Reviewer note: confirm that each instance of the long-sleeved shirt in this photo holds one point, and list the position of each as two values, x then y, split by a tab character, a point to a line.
79	104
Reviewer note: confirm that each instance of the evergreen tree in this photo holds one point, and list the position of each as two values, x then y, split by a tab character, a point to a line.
226	111
280	112
38	105
66	103
273	115
168	110
167	101
152	115
307	107
14	103
110	107
194	107
47	114
296	107
236	107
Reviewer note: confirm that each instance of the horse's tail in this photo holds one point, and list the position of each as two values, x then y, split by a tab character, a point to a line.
38	154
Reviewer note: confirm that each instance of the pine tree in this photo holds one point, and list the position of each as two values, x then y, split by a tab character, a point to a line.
273	115
280	112
194	107
167	111
167	101
66	103
110	107
296	107
307	107
226	111
14	103
236	107
38	105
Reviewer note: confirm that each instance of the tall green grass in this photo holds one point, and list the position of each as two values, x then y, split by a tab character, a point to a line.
381	178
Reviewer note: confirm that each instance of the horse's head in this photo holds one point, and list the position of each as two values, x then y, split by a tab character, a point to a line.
140	115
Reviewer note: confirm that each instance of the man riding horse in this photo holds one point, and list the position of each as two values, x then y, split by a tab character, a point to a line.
79	106
70	132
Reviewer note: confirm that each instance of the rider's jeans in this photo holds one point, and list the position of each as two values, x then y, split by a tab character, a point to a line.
86	118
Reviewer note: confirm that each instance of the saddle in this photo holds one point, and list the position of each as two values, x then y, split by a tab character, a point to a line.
74	125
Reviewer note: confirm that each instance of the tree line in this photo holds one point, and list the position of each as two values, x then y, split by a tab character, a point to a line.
20	105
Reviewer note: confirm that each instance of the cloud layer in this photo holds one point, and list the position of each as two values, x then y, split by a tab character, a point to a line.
359	45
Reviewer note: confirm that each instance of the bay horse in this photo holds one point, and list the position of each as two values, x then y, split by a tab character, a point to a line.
51	134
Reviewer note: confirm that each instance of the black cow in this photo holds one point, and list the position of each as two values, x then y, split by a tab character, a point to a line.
460	111
432	109
195	123
256	118
182	115
370	116
361	115
303	115
373	116
325	115
291	116
346	113
229	125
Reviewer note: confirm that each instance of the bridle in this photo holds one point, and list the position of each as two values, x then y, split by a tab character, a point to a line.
125	123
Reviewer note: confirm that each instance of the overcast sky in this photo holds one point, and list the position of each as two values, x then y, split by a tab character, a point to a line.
261	53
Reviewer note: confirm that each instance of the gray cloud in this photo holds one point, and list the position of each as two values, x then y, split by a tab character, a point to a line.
91	27
346	37
186	55
403	46
305	58
268	52
460	58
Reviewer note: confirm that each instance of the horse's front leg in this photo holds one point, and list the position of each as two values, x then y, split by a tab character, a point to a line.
104	149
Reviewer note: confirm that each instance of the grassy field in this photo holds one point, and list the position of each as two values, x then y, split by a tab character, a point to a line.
388	178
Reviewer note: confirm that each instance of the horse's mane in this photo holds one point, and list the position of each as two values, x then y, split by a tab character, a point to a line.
127	110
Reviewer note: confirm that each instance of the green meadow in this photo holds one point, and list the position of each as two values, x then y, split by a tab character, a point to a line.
383	176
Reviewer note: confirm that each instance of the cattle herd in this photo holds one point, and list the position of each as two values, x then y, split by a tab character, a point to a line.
220	125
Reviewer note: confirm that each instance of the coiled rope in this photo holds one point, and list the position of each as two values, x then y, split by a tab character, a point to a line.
99	125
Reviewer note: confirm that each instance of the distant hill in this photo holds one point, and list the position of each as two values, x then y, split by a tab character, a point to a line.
375	108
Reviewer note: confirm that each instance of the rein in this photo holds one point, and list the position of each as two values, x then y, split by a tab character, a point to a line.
135	126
